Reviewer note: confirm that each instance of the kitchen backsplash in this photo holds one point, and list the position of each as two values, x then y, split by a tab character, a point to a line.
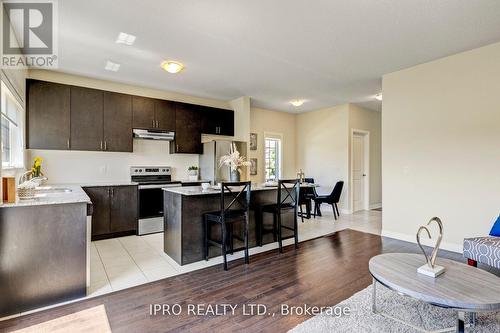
83	166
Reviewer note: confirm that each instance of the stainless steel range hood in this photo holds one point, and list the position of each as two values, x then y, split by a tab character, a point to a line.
153	134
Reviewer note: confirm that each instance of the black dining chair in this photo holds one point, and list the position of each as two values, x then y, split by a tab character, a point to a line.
287	201
306	196
234	208
331	199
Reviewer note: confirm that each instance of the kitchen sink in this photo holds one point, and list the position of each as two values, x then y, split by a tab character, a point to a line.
51	189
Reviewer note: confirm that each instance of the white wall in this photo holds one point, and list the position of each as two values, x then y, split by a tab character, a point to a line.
264	121
371	121
322	148
440	146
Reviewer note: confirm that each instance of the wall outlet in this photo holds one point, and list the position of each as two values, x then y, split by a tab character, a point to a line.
103	169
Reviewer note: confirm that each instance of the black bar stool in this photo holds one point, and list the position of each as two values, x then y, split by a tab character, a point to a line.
287	201
234	208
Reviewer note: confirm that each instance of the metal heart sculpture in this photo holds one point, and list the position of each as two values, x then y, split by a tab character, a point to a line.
432	260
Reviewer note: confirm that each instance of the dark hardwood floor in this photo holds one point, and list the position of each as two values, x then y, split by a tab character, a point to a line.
323	271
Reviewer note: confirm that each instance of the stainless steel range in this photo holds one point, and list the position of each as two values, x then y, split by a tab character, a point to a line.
151	180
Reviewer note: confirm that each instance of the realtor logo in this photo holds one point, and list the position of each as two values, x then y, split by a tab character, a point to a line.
29	35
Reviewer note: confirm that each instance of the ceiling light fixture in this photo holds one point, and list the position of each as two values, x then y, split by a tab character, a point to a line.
378	96
172	66
124	38
112	66
297	102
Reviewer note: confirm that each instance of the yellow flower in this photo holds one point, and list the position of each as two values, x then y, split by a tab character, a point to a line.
37	161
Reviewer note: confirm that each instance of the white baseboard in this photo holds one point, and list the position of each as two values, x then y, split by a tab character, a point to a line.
376	205
458	248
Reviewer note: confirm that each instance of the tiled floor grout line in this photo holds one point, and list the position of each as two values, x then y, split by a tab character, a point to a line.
160	254
103	267
131	257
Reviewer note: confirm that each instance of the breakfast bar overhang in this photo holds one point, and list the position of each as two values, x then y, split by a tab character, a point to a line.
183	221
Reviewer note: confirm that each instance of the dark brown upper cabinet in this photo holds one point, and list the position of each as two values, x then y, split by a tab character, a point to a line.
48	116
69	117
164	115
86	119
149	113
217	121
117	134
143	110
187	130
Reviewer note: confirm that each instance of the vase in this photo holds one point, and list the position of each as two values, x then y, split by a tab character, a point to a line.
235	176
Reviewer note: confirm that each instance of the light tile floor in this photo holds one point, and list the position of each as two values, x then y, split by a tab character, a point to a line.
125	262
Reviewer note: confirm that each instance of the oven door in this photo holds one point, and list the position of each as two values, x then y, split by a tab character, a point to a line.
150	201
151	208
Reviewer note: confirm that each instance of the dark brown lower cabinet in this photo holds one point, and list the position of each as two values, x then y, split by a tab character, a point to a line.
123	208
100	214
114	210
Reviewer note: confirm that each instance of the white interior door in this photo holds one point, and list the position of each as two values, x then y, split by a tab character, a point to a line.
358	172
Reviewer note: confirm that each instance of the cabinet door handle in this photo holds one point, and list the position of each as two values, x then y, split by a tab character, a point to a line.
153	123
177	148
101	144
112	192
105	145
67	143
157	124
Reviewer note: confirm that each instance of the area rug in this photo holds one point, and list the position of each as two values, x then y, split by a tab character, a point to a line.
419	314
93	320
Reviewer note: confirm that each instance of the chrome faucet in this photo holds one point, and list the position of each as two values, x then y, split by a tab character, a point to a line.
26	176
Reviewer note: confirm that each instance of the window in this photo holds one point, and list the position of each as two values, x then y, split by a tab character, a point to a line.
272	151
12	130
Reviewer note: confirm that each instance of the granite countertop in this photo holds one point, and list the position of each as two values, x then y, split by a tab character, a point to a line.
110	183
75	196
192	181
197	190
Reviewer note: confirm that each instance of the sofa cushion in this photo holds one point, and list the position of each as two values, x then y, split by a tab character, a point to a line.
485	250
495	230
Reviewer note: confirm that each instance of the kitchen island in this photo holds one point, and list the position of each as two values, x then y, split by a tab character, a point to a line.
43	249
183	218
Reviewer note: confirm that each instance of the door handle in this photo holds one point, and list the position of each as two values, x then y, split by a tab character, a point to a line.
105	145
153	123
67	143
101	144
177	148
364	175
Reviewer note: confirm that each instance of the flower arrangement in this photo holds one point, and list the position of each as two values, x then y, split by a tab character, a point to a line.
233	160
36	170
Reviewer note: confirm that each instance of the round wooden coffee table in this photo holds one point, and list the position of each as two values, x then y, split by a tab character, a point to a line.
462	287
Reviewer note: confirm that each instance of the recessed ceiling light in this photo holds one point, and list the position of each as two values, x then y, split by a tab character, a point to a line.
378	97
297	102
172	66
112	66
124	38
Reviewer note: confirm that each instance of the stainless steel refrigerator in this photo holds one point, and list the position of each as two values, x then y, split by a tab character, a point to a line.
209	160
